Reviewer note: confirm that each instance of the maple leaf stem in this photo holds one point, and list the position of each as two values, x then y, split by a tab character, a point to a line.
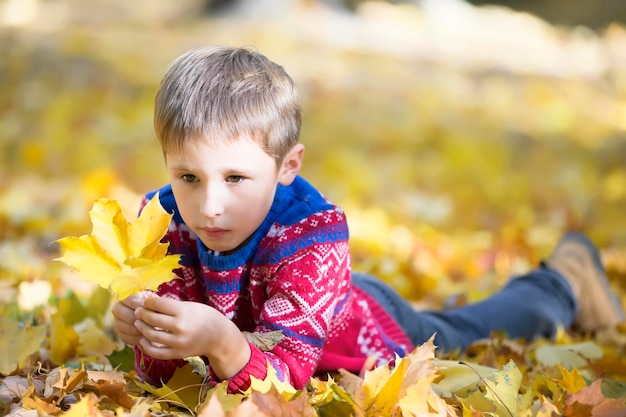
487	386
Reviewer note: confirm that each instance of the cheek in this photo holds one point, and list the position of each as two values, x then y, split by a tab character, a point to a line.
264	201
183	201
261	196
250	205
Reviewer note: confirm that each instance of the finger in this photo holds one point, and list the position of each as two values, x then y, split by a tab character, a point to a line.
135	300
156	351
126	328
155	319
156	336
123	313
163	305
130	339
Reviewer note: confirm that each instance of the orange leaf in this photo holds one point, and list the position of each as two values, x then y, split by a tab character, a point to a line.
591	401
272	403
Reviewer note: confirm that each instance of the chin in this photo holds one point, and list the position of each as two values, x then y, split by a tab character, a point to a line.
225	249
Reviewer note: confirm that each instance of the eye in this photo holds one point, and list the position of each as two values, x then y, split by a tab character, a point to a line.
189	178
234	179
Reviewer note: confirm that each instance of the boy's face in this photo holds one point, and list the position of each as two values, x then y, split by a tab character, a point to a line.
225	191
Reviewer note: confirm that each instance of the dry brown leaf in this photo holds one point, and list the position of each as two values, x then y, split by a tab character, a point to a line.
113	385
265	341
591	400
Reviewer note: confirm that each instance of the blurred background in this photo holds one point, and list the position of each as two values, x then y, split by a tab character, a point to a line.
461	139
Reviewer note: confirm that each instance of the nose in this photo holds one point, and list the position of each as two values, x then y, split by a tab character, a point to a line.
213	201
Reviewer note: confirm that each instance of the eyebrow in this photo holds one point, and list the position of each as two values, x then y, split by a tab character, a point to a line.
178	167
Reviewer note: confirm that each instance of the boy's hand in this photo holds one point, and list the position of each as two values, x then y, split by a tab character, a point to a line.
174	329
124	315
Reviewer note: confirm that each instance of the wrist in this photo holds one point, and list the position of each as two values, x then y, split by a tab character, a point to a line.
231	354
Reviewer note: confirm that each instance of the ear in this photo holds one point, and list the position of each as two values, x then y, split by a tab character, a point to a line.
292	162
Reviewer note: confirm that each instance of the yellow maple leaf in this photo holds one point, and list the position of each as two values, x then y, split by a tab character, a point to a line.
63	340
382	388
284	388
457	377
182	389
406	387
17	343
87	406
121	256
571	381
219	400
505	388
421	400
501	396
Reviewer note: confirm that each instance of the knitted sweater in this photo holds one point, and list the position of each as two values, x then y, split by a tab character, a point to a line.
293	274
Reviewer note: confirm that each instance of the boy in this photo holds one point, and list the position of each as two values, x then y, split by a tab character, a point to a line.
263	250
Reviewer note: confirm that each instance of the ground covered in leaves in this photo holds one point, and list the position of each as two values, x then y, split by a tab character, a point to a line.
461	143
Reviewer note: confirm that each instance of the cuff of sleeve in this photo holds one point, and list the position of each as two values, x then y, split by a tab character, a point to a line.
256	367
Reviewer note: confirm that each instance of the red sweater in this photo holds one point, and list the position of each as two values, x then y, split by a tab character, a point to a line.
292	275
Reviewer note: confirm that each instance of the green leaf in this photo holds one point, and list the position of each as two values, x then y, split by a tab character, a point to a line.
124	359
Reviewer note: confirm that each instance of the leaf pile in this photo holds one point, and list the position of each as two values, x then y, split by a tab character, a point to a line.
416	385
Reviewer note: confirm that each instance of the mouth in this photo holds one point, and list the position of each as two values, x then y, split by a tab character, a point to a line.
213	232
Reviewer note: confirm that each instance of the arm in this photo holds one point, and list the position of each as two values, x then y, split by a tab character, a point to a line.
300	293
302	305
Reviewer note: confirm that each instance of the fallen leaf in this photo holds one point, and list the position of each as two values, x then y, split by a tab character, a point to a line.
265	341
569	356
592	399
212	408
570	381
547	410
503	391
273	403
271	381
92	340
182	390
456	377
420	400
17	342
115	390
12	388
87	406
198	365
329	399
382	387
219	394
417	395
42	407
63	340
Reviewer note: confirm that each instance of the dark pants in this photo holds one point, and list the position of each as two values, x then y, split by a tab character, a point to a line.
529	306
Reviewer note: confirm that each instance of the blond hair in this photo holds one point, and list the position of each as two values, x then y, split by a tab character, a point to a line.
222	93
